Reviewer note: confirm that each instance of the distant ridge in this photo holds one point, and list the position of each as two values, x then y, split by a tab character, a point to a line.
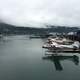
11	29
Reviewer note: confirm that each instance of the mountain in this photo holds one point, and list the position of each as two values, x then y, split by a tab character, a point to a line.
11	29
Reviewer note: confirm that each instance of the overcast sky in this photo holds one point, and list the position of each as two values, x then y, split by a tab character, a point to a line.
40	12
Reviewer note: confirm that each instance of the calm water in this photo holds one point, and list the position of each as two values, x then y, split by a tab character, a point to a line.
22	58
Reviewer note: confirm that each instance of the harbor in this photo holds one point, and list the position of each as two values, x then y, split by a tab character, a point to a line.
39	39
24	58
39	54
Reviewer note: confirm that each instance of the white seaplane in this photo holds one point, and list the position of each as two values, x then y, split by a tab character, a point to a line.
55	45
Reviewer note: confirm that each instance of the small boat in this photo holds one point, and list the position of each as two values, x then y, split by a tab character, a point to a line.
40	36
31	37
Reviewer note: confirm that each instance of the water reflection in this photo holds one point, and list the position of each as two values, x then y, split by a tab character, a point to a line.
57	58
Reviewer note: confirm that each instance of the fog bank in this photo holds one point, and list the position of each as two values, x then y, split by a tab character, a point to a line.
38	13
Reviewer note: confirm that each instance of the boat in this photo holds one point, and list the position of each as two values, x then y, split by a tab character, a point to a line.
40	36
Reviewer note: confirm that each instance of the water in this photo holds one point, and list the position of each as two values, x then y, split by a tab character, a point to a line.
22	58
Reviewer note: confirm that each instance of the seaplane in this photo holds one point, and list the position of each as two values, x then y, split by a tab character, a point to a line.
53	45
59	40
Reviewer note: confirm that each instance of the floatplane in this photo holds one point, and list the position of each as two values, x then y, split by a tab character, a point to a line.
61	46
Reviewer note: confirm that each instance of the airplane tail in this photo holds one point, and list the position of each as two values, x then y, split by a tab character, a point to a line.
76	44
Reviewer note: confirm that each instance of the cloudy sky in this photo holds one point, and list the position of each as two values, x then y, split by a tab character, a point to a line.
38	13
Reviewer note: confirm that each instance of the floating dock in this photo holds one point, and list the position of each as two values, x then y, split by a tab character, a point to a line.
63	51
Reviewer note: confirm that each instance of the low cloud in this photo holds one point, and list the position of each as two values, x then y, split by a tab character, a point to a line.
38	13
